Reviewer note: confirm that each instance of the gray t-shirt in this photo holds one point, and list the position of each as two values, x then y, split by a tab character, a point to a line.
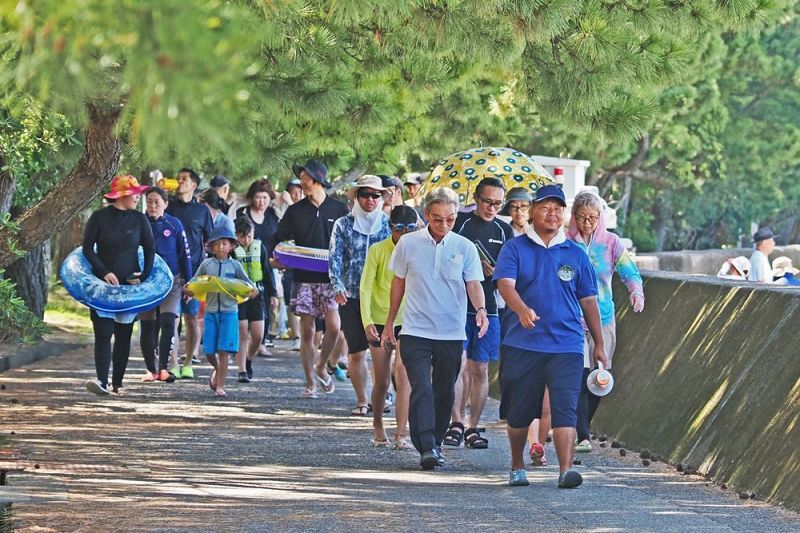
217	302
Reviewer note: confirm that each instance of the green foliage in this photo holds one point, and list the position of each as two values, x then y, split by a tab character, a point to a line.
254	85
35	145
16	320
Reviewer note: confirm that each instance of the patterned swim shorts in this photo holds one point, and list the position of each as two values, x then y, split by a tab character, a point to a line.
313	299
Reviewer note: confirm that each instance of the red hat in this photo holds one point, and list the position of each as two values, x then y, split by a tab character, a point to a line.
125	185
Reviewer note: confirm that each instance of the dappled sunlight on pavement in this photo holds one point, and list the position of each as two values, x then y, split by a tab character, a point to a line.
171	457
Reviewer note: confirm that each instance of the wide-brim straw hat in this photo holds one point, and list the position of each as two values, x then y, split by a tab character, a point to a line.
783	265
367	181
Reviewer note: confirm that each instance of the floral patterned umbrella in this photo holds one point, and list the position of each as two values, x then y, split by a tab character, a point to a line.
463	171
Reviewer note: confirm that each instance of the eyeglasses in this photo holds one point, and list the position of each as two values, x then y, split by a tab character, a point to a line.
523	208
365	194
496	204
580	219
400	226
439	220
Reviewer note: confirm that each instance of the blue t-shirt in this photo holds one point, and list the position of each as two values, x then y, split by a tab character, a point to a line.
551	281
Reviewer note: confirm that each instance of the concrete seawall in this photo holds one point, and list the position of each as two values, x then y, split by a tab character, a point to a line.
709	377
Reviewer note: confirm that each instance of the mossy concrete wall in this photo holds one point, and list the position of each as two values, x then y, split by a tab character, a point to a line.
705	261
709	376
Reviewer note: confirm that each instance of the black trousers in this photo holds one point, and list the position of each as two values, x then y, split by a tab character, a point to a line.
432	367
157	333
587	405
104	328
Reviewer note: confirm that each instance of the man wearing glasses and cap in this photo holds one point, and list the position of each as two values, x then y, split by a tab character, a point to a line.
544	272
309	223
413	183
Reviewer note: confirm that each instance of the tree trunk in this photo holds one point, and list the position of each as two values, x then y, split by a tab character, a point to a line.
8	185
68	238
99	163
32	276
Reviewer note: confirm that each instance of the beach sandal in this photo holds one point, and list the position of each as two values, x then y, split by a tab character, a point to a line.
537	455
309	393
360	410
454	435
473	439
327	385
386	408
380	443
220	394
403	445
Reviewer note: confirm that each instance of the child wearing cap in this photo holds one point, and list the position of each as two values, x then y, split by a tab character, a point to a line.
221	331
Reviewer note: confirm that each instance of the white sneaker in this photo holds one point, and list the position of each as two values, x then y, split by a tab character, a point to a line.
296	345
94	385
583	446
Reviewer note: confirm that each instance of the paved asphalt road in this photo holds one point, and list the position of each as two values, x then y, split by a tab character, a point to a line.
172	458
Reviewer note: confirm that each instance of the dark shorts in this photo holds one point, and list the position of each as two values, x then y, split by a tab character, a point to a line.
523	377
253	309
486	348
380	328
352	327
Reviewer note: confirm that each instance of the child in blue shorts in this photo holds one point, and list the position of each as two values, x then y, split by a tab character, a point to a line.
221	323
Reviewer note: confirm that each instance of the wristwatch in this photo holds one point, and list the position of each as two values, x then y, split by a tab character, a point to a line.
480	309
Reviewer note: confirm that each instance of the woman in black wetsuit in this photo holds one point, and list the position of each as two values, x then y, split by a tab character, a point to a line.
117	231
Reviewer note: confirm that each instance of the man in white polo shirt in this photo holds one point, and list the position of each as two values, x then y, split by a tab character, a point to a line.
435	270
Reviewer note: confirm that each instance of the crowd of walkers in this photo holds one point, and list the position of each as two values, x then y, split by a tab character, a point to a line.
426	290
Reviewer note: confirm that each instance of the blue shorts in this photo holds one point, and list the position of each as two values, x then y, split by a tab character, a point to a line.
191	308
523	377
486	348
221	333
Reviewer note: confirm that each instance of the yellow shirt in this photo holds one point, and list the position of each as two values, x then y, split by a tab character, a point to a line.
376	285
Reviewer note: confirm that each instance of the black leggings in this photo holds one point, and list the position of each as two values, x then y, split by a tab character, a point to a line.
104	328
149	339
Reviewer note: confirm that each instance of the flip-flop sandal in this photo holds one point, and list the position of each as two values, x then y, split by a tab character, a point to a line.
220	394
360	410
309	393
380	443
403	445
327	385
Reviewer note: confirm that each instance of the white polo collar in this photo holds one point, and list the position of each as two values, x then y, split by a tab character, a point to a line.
560	238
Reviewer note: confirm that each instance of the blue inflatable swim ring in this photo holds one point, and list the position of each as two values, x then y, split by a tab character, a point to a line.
91	291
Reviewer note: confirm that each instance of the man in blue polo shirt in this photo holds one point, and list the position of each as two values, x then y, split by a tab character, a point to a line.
543	272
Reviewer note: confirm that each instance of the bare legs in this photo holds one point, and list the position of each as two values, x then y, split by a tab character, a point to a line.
359	376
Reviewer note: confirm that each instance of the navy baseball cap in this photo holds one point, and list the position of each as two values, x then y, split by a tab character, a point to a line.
551	191
219	181
763	234
316	169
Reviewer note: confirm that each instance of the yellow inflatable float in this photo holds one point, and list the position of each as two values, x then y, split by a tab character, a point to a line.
235	288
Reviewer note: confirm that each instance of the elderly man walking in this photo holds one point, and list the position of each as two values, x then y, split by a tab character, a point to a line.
436	270
352	236
543	272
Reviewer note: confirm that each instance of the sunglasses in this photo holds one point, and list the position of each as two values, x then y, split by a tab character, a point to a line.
401	226
365	194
